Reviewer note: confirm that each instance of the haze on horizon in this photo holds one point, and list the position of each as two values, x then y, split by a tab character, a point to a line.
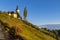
39	11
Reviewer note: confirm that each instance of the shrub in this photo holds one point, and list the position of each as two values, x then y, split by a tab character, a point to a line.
0	12
12	32
6	26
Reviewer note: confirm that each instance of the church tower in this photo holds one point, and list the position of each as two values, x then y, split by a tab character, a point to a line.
17	10
18	13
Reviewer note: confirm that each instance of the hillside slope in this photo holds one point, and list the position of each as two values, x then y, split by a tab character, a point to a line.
25	31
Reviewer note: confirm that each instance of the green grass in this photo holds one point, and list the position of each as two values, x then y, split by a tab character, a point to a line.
27	32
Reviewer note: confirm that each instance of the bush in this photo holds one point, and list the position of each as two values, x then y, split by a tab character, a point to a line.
1	22
0	12
6	26
12	33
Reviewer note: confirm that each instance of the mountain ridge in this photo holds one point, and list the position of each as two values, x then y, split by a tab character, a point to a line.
51	26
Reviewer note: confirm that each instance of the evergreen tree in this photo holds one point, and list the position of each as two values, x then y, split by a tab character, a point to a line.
25	13
0	12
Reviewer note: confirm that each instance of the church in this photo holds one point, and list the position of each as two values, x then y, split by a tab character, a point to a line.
15	14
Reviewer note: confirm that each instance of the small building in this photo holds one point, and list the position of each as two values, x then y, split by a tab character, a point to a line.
15	14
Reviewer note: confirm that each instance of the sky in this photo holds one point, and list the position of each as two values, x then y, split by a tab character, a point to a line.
40	12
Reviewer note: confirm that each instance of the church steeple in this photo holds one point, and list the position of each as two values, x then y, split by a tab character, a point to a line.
17	10
16	7
18	13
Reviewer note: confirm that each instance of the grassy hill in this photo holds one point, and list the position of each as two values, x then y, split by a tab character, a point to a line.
26	31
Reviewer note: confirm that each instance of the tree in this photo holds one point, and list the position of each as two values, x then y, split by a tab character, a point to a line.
25	13
12	33
0	12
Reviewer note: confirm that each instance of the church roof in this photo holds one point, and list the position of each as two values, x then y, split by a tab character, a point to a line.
12	12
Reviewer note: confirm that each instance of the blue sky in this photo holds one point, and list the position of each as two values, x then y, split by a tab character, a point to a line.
39	11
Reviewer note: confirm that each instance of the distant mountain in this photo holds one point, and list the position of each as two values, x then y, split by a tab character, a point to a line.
51	26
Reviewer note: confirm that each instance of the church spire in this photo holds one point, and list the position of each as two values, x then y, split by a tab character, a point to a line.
17	7
17	10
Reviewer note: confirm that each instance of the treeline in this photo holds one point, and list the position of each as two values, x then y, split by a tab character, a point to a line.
53	33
